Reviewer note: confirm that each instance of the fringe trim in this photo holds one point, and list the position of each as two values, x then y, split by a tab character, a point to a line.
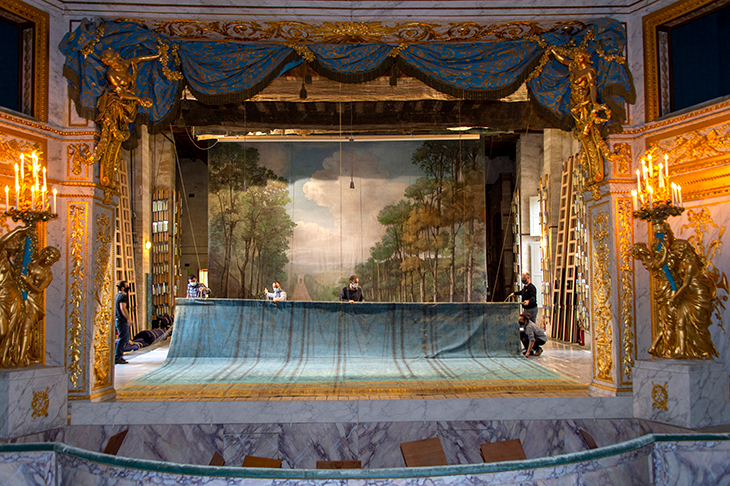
358	78
227	98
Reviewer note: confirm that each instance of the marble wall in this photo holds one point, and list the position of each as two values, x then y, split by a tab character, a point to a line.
375	444
652	459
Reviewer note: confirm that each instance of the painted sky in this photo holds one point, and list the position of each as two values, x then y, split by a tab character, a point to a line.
337	225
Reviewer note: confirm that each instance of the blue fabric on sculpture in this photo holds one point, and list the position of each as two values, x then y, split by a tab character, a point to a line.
129	39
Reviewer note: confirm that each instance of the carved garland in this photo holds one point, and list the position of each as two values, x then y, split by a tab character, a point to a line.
103	301
626	278
77	237
601	294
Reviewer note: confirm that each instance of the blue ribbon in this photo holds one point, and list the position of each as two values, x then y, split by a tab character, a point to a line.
660	236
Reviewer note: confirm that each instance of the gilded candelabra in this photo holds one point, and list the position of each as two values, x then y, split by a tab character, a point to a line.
684	290
25	271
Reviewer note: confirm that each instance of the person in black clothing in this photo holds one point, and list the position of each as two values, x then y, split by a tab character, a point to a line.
121	314
352	292
529	297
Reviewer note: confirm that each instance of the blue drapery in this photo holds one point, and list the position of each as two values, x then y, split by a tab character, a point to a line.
225	72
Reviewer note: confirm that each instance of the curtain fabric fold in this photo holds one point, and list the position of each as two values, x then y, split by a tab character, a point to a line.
226	72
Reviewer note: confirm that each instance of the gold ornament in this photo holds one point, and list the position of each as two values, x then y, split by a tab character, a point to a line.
660	396
103	301
40	404
601	295
77	244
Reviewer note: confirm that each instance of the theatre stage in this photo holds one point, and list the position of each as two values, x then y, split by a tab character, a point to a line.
234	349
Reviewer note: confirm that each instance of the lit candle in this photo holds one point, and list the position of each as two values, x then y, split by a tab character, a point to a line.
633	195
32	198
661	175
643	169
651	197
54	199
43	198
22	169
651	166
679	194
44	177
7	204
666	166
16	175
674	193
638	182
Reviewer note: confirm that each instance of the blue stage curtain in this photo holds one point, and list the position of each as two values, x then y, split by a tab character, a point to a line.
226	72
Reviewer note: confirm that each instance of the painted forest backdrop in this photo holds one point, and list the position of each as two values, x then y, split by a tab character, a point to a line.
407	218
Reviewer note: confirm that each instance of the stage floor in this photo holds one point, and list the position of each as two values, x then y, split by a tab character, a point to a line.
563	370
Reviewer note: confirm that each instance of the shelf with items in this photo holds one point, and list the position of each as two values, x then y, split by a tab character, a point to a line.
162	244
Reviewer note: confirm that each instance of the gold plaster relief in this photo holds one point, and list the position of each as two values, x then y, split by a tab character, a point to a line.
103	301
601	283
76	258
624	216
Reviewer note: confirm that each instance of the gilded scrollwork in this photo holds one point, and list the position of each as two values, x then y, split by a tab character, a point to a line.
77	243
626	279
39	404
660	396
77	155
103	302
707	143
603	334
295	32
622	157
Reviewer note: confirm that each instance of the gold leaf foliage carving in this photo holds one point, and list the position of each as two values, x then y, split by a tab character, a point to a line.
622	157
603	333
626	282
77	155
360	32
77	244
39	405
103	302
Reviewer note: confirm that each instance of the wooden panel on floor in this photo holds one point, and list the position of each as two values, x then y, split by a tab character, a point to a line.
217	460
427	452
339	465
115	442
590	441
506	450
253	461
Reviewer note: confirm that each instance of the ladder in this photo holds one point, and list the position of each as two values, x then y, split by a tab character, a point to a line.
545	251
124	249
558	330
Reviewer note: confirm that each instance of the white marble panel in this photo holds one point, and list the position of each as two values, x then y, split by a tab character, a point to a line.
227	412
17	389
696	392
28	468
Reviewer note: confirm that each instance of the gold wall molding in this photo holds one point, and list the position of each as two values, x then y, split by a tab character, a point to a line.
46	128
625	218
650	24
251	31
39	404
76	258
103	298
40	19
660	395
699	157
603	333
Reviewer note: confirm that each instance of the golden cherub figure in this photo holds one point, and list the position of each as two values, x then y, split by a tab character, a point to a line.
117	108
586	110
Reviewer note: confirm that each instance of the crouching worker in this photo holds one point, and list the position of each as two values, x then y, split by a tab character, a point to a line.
532	337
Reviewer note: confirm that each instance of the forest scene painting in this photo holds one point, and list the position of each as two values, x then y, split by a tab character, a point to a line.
407	218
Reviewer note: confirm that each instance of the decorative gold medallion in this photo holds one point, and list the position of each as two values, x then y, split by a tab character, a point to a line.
40	404
660	396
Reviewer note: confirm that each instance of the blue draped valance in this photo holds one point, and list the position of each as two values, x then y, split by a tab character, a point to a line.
219	72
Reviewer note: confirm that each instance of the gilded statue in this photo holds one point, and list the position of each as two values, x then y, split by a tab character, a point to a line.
589	114
684	294
117	108
21	297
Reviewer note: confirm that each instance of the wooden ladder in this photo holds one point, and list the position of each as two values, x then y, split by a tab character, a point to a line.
124	249
545	251
566	196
